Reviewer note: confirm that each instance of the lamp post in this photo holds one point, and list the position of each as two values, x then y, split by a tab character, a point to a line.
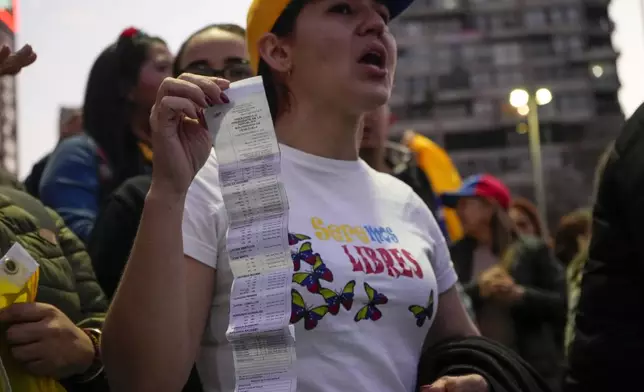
527	105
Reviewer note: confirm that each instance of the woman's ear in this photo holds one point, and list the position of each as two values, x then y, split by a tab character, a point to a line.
275	53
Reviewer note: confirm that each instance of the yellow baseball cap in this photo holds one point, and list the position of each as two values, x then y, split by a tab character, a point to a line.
263	14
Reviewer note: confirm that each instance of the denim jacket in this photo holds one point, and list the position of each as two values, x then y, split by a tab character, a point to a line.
70	184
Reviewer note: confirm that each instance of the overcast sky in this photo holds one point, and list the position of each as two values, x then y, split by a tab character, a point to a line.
68	35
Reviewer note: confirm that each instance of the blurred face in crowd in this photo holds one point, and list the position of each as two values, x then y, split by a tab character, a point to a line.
216	52
375	128
341	54
522	222
157	67
475	214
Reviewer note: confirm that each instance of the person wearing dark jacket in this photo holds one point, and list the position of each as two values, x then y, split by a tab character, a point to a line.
608	345
516	286
69	309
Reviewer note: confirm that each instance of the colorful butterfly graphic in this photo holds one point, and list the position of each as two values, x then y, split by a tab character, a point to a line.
312	279
369	311
305	253
295	238
344	298
299	311
422	313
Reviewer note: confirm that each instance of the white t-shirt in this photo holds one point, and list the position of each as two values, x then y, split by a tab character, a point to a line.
380	263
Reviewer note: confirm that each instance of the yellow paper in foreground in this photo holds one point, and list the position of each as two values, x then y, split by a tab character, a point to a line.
19	284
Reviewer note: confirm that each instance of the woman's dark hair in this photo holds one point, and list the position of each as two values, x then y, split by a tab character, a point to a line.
528	209
107	109
504	234
276	92
227	27
570	227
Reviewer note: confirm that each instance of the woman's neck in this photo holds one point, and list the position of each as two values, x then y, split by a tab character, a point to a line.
140	126
314	130
375	157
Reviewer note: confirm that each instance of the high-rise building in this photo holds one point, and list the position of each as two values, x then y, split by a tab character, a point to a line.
8	114
458	60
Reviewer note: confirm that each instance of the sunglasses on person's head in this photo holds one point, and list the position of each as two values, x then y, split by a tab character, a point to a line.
234	70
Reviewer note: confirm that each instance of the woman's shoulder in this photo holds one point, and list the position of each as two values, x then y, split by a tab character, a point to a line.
74	157
79	148
77	142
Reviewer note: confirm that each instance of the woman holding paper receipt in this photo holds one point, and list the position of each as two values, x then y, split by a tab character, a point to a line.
371	265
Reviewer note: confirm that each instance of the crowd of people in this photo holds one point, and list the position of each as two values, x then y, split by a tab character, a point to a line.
126	219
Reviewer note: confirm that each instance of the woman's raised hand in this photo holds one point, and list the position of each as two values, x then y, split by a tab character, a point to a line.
180	138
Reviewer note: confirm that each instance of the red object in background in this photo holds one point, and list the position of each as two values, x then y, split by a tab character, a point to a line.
8	15
130	32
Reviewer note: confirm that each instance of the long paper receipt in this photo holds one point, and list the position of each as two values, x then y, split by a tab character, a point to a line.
263	342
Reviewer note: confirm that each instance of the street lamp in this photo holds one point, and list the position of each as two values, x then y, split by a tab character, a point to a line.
527	105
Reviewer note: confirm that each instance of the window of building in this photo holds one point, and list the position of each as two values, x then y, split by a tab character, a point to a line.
607	103
481	79
452	110
482	22
508	78
576	45
572	103
572	15
559	45
476	140
483	108
534	18
507	54
556	16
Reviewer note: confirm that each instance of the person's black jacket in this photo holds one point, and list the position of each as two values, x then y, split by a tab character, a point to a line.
114	232
540	317
112	239
503	370
32	182
607	352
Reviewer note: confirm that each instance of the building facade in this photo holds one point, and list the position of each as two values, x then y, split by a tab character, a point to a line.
8	113
458	60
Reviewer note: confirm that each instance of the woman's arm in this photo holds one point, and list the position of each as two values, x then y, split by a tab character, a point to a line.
451	319
70	184
159	312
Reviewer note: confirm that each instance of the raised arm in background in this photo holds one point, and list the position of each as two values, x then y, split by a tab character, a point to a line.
159	312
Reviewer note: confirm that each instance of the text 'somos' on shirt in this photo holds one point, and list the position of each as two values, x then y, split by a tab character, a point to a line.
369	264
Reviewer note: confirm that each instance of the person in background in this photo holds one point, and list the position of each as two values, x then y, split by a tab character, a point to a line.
71	124
83	170
218	49
58	335
572	235
399	161
393	158
603	335
517	288
173	301
525	216
571	247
